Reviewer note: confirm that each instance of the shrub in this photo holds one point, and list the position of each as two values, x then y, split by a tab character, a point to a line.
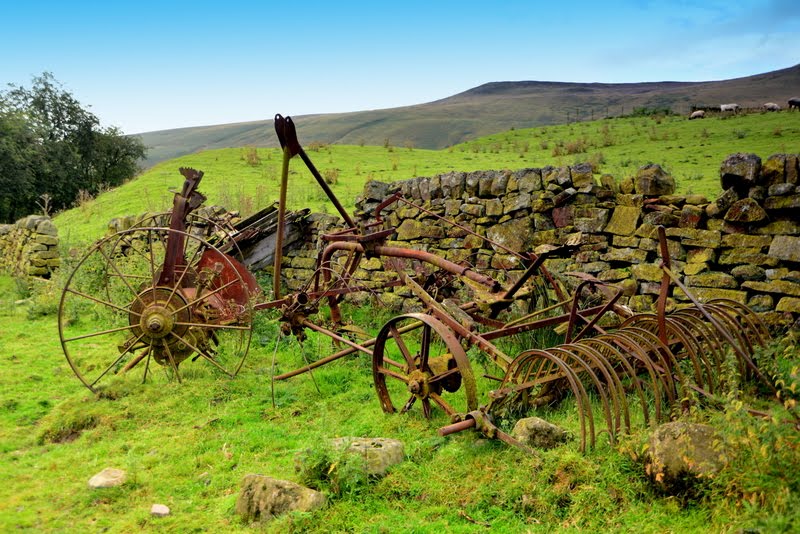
250	156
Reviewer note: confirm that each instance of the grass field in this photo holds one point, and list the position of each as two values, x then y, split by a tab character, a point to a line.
189	445
691	151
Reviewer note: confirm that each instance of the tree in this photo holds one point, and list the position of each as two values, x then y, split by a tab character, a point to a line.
54	146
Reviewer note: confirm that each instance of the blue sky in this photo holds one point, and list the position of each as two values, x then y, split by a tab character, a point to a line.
153	65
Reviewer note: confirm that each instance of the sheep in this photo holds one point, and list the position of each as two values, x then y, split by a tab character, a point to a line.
729	107
794	103
771	106
699	114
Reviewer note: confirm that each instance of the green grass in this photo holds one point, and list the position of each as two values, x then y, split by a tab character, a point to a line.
189	445
691	151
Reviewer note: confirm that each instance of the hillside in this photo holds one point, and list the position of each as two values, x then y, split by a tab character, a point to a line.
484	110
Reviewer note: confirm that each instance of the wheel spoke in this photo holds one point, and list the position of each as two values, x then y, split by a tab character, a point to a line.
201	353
100	333
393	374
113	264
97	300
172	362
393	363
398	338
425	347
115	362
442	403
449	372
426	408
409	403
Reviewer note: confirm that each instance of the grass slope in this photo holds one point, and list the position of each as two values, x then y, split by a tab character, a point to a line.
189	445
691	150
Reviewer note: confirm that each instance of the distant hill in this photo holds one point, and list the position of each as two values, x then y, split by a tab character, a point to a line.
487	109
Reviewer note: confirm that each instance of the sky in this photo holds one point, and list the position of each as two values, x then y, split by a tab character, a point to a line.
154	65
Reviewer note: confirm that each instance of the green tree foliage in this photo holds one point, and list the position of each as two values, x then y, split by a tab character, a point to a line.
51	145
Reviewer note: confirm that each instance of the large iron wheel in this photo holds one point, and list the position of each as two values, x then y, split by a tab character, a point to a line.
119	314
424	362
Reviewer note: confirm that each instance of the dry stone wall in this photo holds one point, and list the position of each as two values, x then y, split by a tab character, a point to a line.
744	245
29	247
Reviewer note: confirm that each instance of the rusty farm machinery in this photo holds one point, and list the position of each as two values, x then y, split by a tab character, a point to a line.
173	288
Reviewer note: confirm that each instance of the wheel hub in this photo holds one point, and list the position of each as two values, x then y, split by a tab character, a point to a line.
157	322
418	383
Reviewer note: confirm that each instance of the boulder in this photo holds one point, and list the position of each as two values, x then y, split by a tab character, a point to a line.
538	433
680	453
263	498
652	180
379	454
740	171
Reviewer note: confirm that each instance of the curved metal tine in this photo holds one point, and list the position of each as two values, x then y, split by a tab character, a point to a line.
682	340
729	317
637	353
714	336
615	358
581	398
653	347
569	357
614	383
752	318
709	353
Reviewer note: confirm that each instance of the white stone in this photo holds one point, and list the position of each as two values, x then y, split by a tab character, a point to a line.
159	510
108	478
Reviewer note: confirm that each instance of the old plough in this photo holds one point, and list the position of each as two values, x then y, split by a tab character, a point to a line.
174	288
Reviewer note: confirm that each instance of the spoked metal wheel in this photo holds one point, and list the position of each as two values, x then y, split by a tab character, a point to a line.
153	297
418	358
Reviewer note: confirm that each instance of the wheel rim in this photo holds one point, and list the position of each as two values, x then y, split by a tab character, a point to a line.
116	319
418	360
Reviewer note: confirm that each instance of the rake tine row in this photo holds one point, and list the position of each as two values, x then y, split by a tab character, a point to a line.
633	359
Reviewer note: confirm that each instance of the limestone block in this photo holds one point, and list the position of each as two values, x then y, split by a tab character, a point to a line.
788	304
745	210
712	279
704	294
262	498
624	220
774	286
785	247
652	180
379	454
740	171
746	255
